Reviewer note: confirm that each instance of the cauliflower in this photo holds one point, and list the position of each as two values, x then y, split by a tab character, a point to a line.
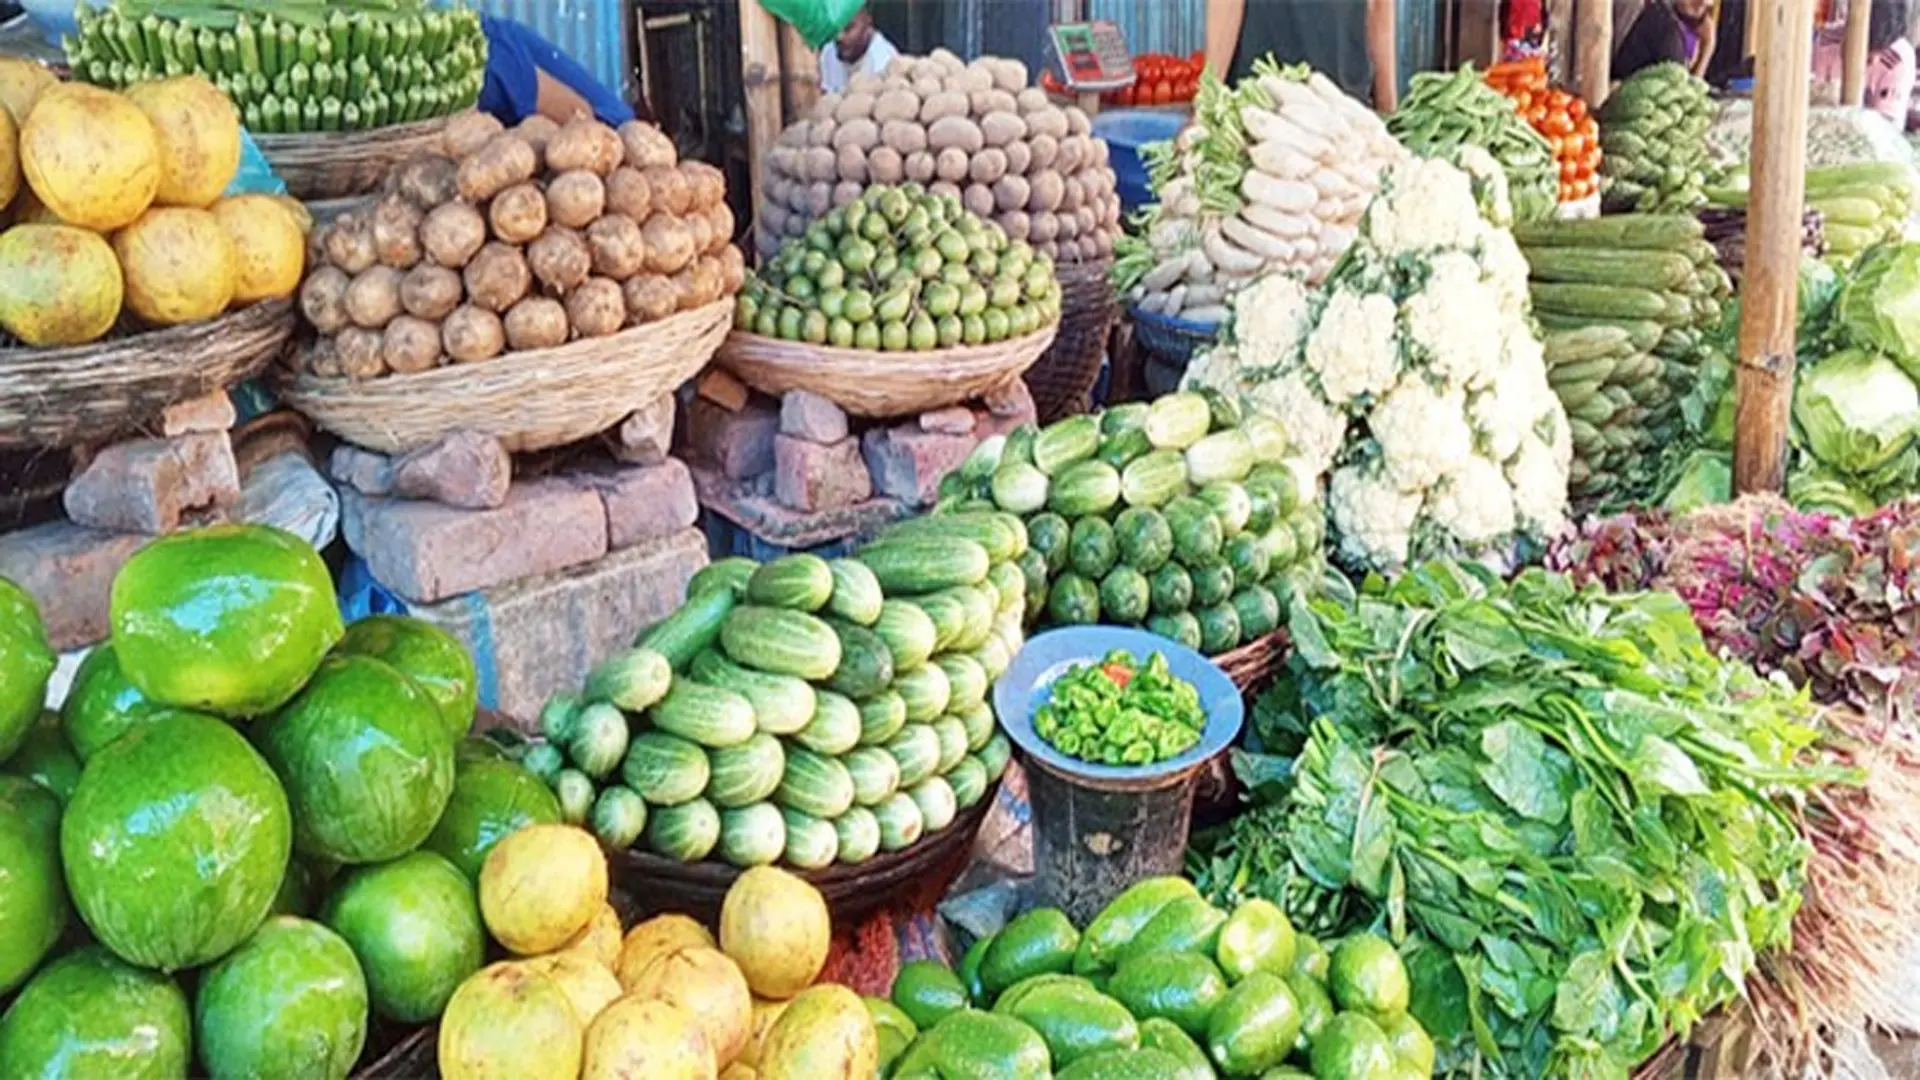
1507	272
1445	320
1423	434
1424	204
1315	429
1372	518
1270	317
1352	350
1539	486
1474	503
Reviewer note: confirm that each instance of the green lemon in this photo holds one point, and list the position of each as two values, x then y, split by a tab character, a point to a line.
927	991
1412	1047
1366	974
1309	957
1353	1048
1256	937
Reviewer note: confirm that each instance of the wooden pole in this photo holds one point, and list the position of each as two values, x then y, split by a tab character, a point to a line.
1383	46
760	74
1593	51
1768	296
1560	40
1853	57
801	68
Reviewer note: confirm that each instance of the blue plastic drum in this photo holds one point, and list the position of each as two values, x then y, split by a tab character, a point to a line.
1126	131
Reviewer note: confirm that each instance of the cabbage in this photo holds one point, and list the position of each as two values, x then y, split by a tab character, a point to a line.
1856	411
1879	308
1705	480
1819	287
1819	490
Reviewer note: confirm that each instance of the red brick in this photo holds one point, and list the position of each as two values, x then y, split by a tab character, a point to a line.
720	386
810	477
956	420
464	469
1014	410
149	485
739	444
907	464
69	570
807	415
646	436
426	552
209	412
1010	399
644	502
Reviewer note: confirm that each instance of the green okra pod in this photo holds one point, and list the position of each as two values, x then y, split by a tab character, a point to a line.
272	117
330	114
251	116
310	115
309	39
248	45
339	34
350	117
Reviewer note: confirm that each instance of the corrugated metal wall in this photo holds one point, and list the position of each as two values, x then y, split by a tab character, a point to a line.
591	31
1165	26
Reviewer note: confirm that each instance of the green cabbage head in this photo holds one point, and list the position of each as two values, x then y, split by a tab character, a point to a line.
1879	307
1819	490
1856	410
1705	480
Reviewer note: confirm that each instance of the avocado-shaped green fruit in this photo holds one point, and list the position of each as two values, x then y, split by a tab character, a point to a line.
230	620
1352	1046
490	799
415	926
45	758
426	654
90	1014
1365	974
103	704
33	895
175	842
26	663
289	1002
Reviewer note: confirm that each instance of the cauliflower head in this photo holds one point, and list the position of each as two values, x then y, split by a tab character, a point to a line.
1448	319
1424	204
1423	434
1352	350
1372	518
1474	503
1269	319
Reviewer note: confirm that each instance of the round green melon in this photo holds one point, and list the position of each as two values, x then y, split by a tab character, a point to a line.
103	704
300	887
415	926
230	620
290	1002
26	663
89	1014
426	654
45	758
365	759
33	895
490	799
175	842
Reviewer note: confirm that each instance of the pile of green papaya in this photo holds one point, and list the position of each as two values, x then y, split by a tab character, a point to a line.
1161	985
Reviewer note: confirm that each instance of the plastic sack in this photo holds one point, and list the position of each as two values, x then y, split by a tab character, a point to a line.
819	21
255	177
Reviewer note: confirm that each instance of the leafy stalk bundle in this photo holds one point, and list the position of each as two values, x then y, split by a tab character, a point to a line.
1579	823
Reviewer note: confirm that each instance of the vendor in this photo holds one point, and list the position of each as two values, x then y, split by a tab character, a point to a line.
1677	31
1351	42
1523	30
527	74
1890	60
861	49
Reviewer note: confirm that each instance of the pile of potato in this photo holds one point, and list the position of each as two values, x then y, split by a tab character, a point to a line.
975	131
521	239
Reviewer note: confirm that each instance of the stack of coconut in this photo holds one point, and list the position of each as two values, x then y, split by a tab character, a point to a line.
975	131
522	239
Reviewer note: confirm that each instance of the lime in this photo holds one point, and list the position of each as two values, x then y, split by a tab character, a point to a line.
812	262
800	286
790	320
767	322
1309	957
866	336
840	333
814	328
1316	1008
745	310
893	337
948	329
996	323
1256	937
1411	1046
1255	1025
926	991
1366	974
973	329
1352	1047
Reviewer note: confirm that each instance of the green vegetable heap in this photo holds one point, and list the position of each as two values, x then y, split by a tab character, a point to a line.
306	66
898	269
1577	820
1652	139
1117	713
1444	111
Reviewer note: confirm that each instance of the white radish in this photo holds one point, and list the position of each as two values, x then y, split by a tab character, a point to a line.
1265	126
1226	255
1154	304
1278	222
1333	185
1334	239
1306	249
1163	276
1264	244
1212	313
1280	160
1172	233
1203	295
1175	300
1289	195
1362	174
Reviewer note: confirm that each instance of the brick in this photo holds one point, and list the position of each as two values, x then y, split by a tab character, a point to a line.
207	413
957	420
738	443
1016	410
807	415
150	485
646	436
907	464
721	387
425	552
810	477
1009	399
463	468
69	570
644	502
364	471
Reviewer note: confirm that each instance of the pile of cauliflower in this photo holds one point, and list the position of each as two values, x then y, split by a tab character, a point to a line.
1411	379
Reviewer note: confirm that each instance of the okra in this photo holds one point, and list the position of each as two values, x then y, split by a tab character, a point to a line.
270	46
350	117
406	35
248	45
230	54
283	84
133	47
361	37
339	31
322	79
289	35
251	116
358	73
436	30
257	85
206	46
416	103
309	39
300	82
100	73
271	117
378	108
310	115
330	114
185	46
154	37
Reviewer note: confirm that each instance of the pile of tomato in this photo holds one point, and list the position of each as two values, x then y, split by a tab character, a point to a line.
1558	115
1159	79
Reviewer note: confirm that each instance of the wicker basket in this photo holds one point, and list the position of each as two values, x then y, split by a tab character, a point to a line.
60	397
880	385
530	400
1255	665
334	164
1063	378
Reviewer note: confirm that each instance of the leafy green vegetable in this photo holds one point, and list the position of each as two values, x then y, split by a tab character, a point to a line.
1118	713
1856	410
1879	308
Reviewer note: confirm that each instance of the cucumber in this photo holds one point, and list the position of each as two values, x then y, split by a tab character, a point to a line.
859	835
908	633
1002	534
1065	442
979	723
917	750
633	679
814	784
729	573
752	835
680	636
666	770
881	717
856	592
795	582
901	825
968	781
875	773
783	642
1177	421
835	728
1154	480
745	774
1221	456
966	679
708	715
926	692
782	704
923	564
1083	488
1601	266
866	664
951	731
686	833
812	844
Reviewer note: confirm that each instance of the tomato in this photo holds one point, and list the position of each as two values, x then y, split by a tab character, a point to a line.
1578	107
1537	115
1162	93
1117	674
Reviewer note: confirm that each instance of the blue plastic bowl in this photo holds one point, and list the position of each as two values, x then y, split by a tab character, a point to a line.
1028	682
1126	131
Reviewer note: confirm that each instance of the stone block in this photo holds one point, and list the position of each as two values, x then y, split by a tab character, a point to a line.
954	420
738	443
645	437
907	463
69	571
364	471
644	502
807	415
464	469
150	485
721	387
1011	398
206	413
808	476
1014	411
425	552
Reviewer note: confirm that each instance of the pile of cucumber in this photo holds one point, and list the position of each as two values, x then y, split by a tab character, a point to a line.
1180	516
805	710
305	66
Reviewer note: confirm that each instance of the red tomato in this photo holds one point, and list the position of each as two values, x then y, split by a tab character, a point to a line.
1162	92
1126	95
1117	674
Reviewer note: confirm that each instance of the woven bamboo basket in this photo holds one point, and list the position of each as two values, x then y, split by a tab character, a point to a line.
530	400
60	397
335	164
880	385
1064	377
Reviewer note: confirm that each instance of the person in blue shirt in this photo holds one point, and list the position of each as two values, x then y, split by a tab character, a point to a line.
528	75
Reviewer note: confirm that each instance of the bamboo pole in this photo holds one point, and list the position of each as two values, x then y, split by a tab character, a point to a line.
1593	51
1764	384
800	68
1853	56
760	75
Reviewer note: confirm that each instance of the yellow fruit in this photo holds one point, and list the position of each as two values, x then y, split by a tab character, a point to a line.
825	1034
765	1012
269	250
58	285
737	1071
653	939
589	986
710	987
302	216
21	83
178	265
91	155
542	885
776	927
509	1022
600	938
646	1039
9	159
199	134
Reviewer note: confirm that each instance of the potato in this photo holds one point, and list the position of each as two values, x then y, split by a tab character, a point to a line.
797	224
646	146
426	181
559	258
629	193
733	270
824	108
1047	121
373	297
773	219
853	106
896	105
506	160
919	167
844	193
575	198
537	131
1011	192
671	192
821	133
1019	157
1110	216
800	198
596	308
615	247
1044	191
649	298
951	165
720	218
358	353
1045	149
1087	220
866	83
793	136
978	199
1016	223
1073	151
452	233
1073	193
987	166
942	188
323	299
699	230
410	345
955	131
697	285
1066	227
926	86
851	164
885	165
472	334
900	67
1049	249
518	214
1009	76
1001	128
1102	154
904	136
945	60
861	133
669	244
467	133
1031	99
536	322
322	358
708	183
819	199
942	105
587	144
1044	227
350	243
497	277
1102	244
971	80
430	292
